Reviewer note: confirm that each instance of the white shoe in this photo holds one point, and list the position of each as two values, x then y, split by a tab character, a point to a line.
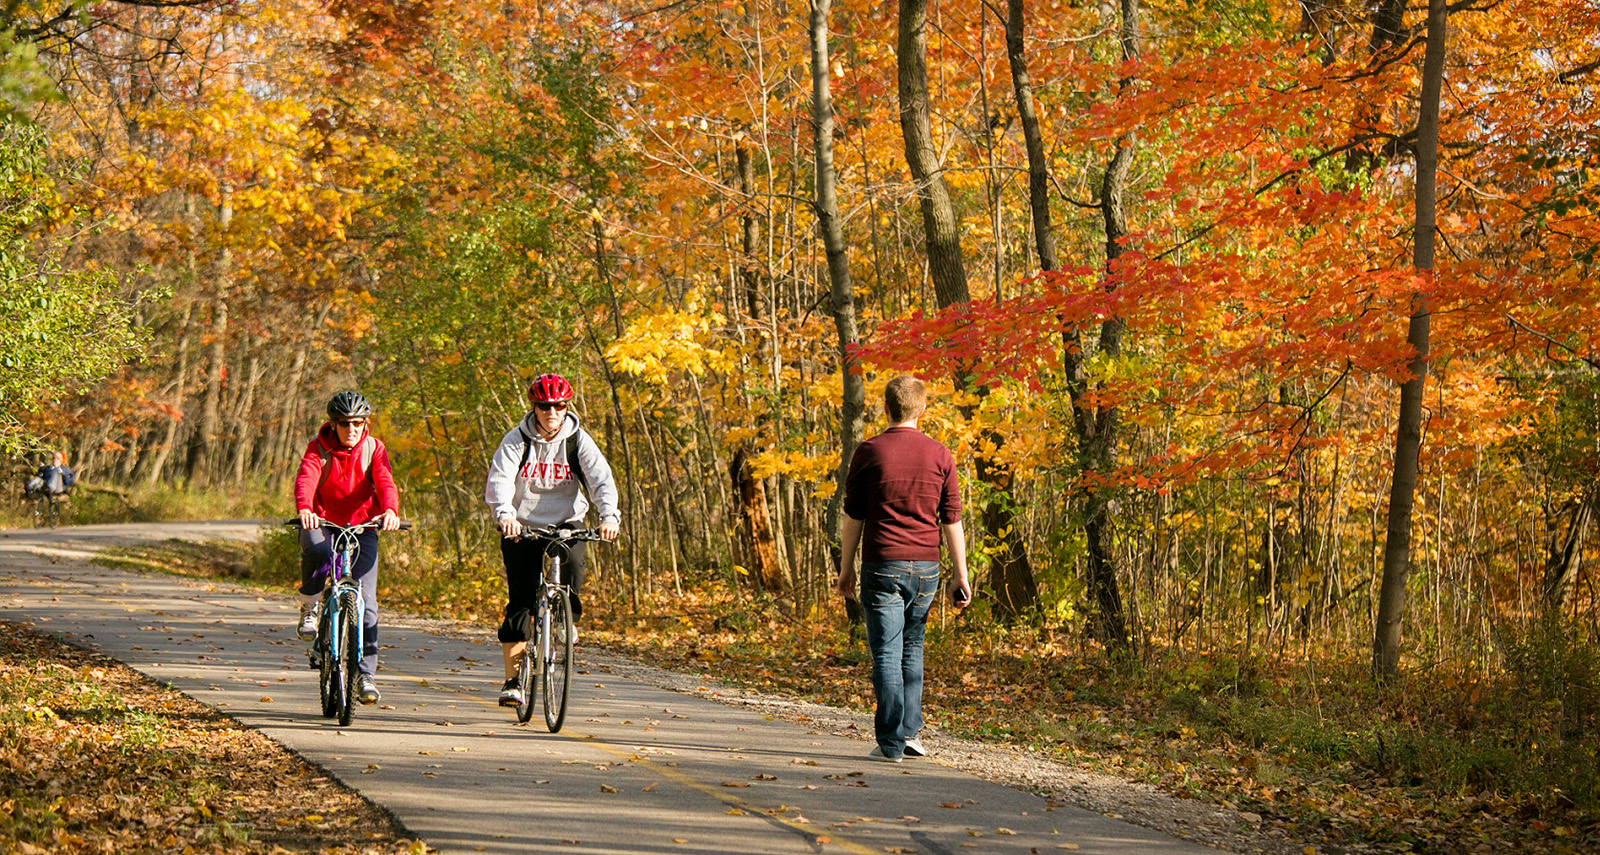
510	693
914	748
877	754
307	630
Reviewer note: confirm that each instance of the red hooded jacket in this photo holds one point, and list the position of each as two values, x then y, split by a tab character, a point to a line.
347	495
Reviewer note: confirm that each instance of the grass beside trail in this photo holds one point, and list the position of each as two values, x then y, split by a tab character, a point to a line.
97	758
1439	763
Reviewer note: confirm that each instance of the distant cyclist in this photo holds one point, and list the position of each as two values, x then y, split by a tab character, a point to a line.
545	472
345	479
54	478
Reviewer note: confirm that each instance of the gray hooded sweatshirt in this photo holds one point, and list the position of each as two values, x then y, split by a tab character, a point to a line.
545	491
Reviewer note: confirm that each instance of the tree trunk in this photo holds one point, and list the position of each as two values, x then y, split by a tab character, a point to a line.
749	235
283	437
1044	241
938	213
751	495
246	425
630	472
1408	431
753	519
158	463
202	446
1098	425
853	406
1010	575
1566	559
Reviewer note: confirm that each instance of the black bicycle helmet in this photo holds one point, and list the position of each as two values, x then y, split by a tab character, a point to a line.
348	405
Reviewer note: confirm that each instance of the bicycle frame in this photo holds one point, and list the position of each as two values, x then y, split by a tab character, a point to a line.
547	660
340	591
340	580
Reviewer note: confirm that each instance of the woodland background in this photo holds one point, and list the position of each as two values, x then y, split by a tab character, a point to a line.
1263	330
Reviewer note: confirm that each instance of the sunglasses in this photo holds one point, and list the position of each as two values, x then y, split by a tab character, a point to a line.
551	405
350	423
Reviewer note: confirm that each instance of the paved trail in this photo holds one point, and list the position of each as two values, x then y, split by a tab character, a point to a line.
637	769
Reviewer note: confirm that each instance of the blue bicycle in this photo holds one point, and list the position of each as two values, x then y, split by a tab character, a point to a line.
336	651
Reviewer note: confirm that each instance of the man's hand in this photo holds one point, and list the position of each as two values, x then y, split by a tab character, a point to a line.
846	585
391	521
961	591
510	528
309	520
610	530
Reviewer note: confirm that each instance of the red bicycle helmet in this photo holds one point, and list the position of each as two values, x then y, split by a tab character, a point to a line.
549	389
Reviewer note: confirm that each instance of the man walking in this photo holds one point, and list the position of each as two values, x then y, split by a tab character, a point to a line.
901	494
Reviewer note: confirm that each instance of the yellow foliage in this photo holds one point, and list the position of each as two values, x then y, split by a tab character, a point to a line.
669	340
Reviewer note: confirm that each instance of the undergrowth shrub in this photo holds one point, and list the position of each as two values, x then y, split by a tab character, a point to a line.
1553	670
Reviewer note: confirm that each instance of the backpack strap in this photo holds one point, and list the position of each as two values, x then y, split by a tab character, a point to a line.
574	462
527	445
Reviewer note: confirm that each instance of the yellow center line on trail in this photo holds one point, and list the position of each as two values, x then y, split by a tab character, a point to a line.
717	792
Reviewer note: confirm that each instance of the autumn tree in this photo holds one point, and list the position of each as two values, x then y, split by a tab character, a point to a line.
841	286
1010	578
1408	431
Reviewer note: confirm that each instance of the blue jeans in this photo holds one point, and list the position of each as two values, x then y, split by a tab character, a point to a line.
897	596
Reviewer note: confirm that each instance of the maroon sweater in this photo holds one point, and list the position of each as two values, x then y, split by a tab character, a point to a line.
902	484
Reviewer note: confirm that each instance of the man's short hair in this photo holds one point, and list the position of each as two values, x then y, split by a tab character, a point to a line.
905	397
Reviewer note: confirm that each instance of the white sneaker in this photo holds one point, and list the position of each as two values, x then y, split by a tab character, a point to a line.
877	754
914	748
510	693
307	630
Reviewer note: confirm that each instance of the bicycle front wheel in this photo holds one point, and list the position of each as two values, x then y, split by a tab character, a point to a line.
558	663
329	665
349	659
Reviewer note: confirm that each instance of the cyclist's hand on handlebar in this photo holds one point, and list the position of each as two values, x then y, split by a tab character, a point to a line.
510	528
391	521
610	530
309	520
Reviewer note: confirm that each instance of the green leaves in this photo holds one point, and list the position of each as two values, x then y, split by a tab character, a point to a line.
60	326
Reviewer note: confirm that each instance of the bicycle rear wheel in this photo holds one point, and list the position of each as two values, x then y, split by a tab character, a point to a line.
528	679
349	658
328	679
558	662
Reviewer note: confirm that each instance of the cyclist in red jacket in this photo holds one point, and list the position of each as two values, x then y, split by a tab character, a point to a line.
345	478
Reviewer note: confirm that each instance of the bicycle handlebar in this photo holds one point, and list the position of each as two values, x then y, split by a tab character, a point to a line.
551	532
369	525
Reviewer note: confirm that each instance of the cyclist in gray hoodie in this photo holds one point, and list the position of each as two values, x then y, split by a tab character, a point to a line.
546	472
